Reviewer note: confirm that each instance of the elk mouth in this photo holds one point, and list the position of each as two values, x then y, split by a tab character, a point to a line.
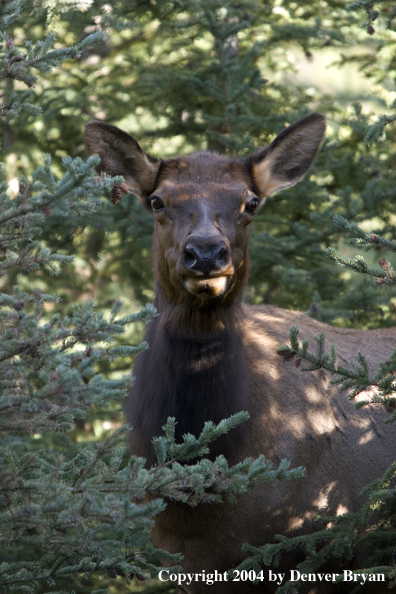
212	286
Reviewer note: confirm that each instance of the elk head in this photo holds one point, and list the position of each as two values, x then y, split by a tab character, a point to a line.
204	203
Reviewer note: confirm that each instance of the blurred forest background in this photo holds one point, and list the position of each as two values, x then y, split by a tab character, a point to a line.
182	77
179	76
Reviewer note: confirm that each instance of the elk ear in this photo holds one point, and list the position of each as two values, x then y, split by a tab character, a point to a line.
284	162
120	154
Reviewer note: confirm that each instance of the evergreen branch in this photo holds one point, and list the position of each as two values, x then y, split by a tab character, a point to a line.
88	487
204	480
367	241
46	196
361	237
377	129
386	276
9	11
357	377
342	537
372	14
18	63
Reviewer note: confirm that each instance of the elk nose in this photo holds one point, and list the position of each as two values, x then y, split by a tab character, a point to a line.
206	256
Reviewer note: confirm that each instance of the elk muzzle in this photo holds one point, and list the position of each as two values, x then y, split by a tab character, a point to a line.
207	265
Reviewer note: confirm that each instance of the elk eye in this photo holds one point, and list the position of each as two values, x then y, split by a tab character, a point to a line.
252	205
157	203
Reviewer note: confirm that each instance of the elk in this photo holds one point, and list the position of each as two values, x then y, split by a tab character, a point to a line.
211	356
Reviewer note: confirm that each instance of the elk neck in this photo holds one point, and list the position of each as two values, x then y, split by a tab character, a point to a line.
195	370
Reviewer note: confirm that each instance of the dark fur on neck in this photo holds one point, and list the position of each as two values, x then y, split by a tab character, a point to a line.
195	370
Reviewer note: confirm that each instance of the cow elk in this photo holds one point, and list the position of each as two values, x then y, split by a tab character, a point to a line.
211	356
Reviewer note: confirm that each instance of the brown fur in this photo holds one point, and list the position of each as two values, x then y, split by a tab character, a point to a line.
210	356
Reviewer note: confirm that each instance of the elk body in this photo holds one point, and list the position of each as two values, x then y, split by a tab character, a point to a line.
210	356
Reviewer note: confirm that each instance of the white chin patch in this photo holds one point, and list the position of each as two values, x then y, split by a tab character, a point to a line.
212	286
